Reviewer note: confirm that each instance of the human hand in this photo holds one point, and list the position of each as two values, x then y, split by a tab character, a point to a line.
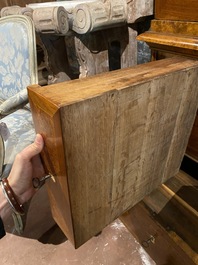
27	165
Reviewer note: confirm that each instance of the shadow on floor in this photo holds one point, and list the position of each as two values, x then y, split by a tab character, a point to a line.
53	236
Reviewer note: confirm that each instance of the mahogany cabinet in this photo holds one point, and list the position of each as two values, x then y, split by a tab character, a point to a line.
113	138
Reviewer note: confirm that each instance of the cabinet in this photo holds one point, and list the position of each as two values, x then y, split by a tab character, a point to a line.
174	32
185	10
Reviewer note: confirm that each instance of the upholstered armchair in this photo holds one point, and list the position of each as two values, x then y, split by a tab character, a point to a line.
18	66
18	69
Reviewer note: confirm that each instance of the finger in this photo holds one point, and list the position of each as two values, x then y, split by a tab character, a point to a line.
33	149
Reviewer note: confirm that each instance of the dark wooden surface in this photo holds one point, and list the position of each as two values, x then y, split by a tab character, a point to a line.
166	223
192	149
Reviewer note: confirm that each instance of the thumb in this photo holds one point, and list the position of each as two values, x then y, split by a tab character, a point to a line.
34	148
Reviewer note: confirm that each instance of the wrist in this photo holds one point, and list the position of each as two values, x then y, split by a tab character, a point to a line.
5	208
11	197
18	194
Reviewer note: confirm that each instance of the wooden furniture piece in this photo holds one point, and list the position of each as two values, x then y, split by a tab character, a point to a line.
113	138
168	216
168	38
176	10
174	32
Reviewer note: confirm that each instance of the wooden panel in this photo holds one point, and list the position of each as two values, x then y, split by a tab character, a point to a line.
168	38
176	9
178	37
168	42
50	126
185	28
192	149
110	139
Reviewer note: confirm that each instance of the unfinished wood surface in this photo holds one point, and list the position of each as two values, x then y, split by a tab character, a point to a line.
168	38
113	138
176	9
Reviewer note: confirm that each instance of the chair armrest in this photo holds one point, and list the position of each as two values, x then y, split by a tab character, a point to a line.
13	103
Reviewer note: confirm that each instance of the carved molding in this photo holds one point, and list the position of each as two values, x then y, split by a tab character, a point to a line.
53	20
16	10
138	9
94	16
60	17
93	35
88	15
92	51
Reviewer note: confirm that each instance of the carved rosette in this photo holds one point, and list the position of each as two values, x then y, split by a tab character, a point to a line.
82	21
52	20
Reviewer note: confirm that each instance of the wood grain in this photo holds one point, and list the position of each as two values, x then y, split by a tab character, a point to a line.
48	124
176	10
113	138
168	38
175	44
185	28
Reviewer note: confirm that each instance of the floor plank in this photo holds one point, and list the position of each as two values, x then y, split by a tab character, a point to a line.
166	222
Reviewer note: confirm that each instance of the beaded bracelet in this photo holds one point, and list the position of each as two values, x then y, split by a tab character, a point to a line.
11	197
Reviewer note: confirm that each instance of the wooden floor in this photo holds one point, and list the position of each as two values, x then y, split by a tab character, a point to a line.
166	222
